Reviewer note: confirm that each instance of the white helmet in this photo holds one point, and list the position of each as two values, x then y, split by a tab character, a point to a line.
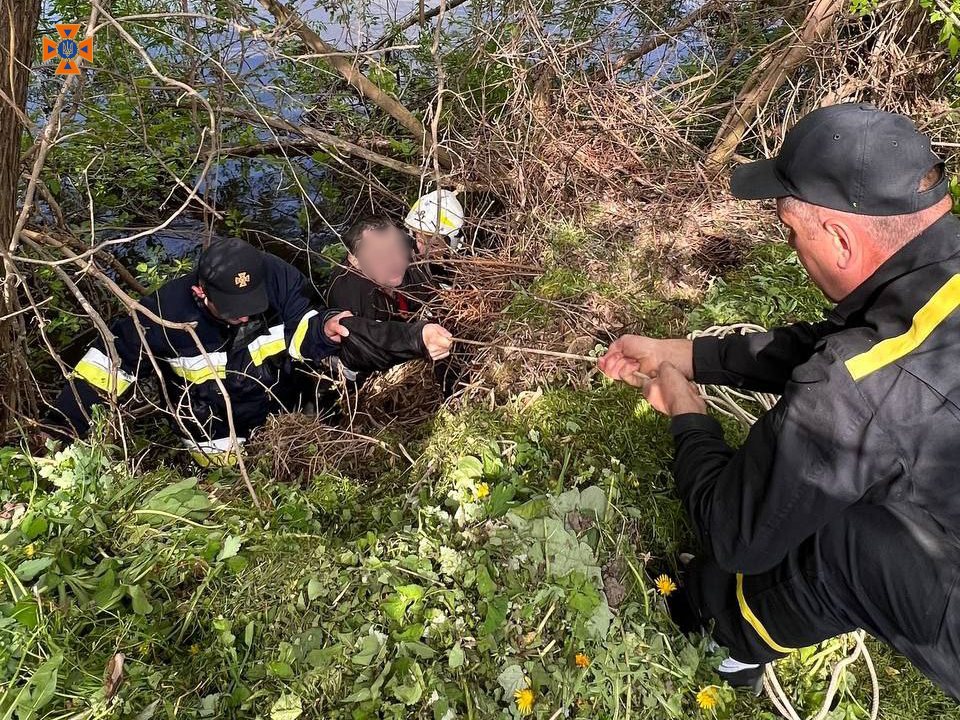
438	212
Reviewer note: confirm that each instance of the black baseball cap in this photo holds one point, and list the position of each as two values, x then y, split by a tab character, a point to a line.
850	157
232	273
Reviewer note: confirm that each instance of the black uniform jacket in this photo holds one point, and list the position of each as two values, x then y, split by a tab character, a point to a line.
254	361
404	340
869	413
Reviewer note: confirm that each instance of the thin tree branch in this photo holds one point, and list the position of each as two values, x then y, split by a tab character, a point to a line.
414	18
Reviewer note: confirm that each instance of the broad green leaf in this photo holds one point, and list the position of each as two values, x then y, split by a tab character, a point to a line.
369	649
29	569
231	546
512	679
314	589
279	669
495	617
593	498
485	584
141	605
288	706
456	657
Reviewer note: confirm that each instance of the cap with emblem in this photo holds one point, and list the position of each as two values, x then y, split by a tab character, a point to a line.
232	273
851	157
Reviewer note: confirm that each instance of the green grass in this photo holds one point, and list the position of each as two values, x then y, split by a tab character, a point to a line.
425	591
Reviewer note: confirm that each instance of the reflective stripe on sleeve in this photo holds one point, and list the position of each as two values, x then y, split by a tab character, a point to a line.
197	370
264	346
97	369
296	343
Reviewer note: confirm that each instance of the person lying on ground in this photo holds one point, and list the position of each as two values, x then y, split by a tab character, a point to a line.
841	510
256	322
381	283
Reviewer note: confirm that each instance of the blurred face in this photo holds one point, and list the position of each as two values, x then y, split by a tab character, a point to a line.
383	256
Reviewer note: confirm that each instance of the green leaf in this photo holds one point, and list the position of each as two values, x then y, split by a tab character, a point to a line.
314	589
40	689
512	679
231	546
279	669
500	499
593	498
141	605
26	613
33	526
397	604
456	657
29	569
287	707
419	649
495	617
485	584
531	509
369	649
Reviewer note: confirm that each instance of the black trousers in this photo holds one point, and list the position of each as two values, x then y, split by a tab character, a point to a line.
872	568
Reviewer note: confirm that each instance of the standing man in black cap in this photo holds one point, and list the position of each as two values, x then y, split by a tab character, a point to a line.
841	510
254	317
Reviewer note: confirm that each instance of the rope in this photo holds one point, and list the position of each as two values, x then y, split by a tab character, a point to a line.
529	351
727	401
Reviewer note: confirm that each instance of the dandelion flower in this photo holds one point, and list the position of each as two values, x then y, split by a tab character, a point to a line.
581	660
665	585
708	698
525	698
29	550
482	491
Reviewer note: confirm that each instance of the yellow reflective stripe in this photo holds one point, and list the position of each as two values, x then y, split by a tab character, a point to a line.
198	370
215	453
267	345
937	309
755	621
224	459
300	334
96	368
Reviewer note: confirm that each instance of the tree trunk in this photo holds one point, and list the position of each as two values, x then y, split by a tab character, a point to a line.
18	26
769	76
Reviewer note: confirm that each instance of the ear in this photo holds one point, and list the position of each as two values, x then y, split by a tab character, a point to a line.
352	259
846	248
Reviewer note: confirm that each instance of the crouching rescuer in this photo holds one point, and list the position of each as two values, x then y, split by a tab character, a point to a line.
841	509
254	321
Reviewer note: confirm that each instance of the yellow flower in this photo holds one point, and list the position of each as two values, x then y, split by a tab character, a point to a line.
482	491
194	649
665	585
581	660
708	698
525	699
29	550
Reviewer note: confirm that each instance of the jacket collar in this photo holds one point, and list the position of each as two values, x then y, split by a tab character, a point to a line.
934	245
